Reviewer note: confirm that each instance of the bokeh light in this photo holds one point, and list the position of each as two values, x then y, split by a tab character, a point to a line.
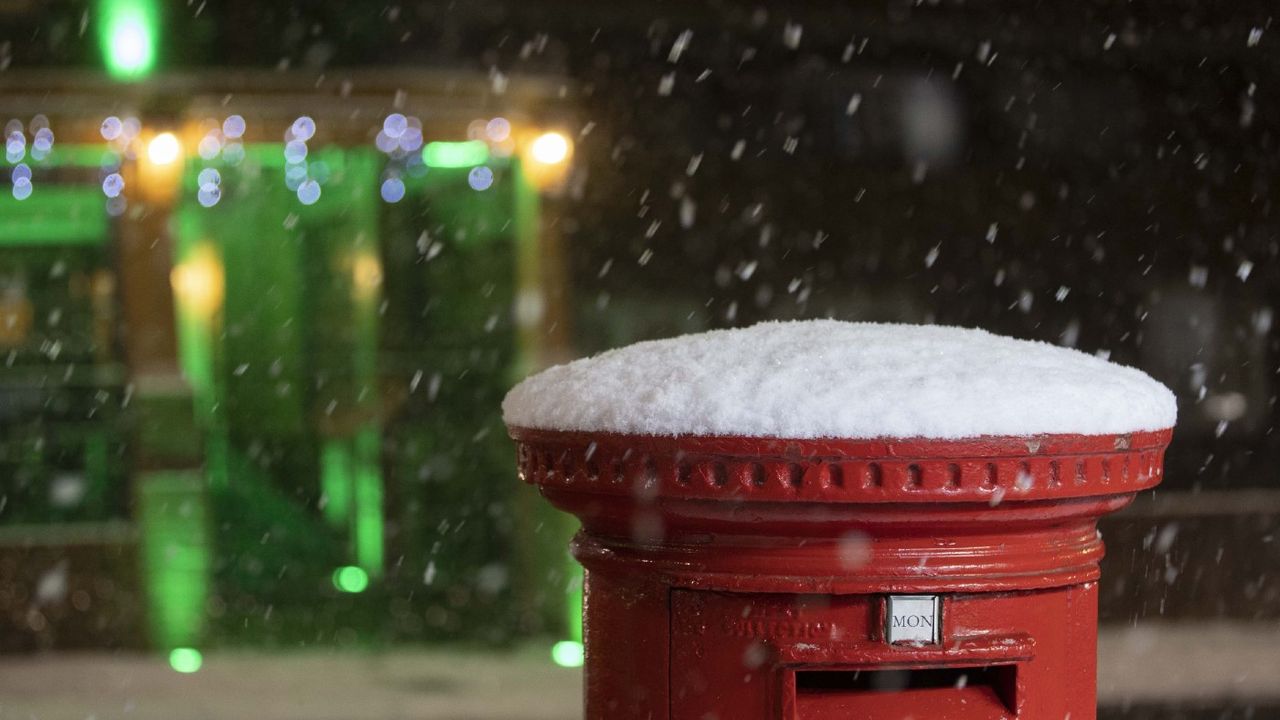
350	579
209	194
294	175
15	146
131	126
42	145
111	128
295	151
113	185
550	148
209	176
385	142
304	128
233	153
392	190
480	178
163	149
309	192
129	29
410	140
185	660
498	129
22	188
395	125
233	127
455	154
568	653
209	147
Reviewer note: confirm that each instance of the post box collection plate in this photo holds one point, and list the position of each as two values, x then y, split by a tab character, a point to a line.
914	619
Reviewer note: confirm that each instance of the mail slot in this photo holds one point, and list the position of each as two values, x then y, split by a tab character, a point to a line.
976	691
775	578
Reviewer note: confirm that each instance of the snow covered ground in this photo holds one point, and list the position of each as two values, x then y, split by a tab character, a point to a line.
1152	668
315	685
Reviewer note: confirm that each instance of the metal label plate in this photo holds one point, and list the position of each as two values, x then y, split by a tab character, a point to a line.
913	619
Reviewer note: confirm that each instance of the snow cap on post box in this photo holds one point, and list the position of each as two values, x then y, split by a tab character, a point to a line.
792	487
833	379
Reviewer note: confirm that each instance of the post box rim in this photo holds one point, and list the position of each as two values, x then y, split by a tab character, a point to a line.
842	470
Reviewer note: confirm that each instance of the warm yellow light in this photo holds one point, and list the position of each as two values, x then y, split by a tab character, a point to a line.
550	148
199	282
367	272
163	149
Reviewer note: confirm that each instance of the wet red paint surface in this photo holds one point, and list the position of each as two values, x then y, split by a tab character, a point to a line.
748	578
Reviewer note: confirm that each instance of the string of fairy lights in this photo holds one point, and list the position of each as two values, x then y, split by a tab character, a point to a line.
16	151
29	147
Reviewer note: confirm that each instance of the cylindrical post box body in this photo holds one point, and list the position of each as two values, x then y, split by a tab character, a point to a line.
742	578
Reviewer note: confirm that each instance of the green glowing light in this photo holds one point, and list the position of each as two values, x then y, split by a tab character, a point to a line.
58	215
336	481
567	653
173	518
350	579
185	660
368	528
455	154
128	33
573	608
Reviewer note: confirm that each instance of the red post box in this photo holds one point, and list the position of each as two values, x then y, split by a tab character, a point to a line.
744	578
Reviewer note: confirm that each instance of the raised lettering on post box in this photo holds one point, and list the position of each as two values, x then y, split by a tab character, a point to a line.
914	619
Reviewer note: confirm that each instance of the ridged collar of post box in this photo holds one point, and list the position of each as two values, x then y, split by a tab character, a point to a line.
843	516
842	457
989	470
